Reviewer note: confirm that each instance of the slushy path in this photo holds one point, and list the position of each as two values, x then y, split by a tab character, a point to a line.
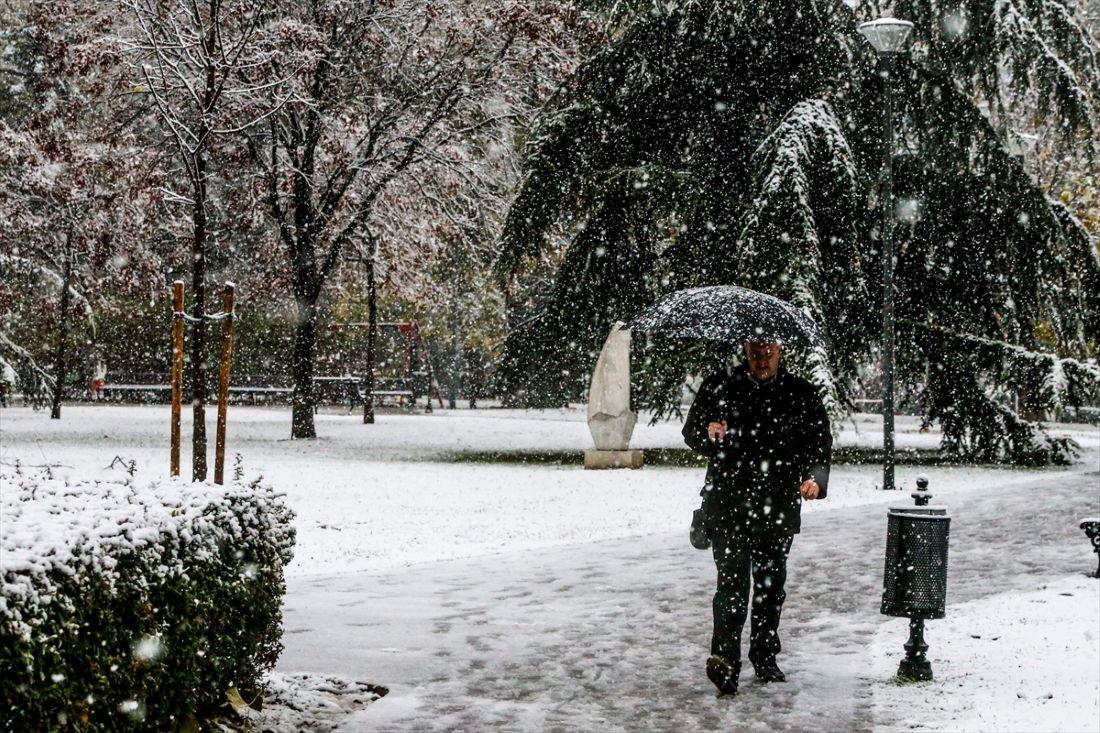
613	636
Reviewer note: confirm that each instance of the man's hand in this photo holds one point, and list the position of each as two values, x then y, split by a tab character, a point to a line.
716	431
809	489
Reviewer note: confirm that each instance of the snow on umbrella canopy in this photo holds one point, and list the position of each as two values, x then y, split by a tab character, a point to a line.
729	313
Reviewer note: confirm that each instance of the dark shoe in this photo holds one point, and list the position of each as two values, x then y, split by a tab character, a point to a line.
723	674
769	672
698	536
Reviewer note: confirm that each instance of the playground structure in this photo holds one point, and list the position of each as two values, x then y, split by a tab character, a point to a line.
382	381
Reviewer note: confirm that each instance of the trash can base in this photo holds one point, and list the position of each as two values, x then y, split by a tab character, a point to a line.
914	670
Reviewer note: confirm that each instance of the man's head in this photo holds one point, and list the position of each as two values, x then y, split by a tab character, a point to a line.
763	358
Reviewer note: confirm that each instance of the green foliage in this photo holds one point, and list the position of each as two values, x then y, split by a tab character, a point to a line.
605	277
1034	57
160	637
981	426
741	143
134	338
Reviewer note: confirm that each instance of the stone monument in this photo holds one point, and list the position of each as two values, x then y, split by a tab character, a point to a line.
610	419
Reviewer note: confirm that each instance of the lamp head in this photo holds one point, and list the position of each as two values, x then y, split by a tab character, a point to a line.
887	35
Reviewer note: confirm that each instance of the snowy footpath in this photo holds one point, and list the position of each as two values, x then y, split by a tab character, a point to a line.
612	635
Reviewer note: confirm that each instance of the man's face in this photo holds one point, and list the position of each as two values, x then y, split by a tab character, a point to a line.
763	359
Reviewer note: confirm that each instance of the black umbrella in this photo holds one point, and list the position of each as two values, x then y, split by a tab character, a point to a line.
731	314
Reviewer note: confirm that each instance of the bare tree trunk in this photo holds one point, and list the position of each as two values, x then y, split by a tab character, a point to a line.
62	331
198	334
372	332
305	344
456	356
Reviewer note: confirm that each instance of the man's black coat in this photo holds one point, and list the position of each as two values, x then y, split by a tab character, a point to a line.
778	436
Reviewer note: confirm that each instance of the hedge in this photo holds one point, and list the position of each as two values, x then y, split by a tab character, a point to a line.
135	606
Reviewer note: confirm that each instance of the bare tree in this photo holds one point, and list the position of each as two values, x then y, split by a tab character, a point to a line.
193	58
71	183
380	91
374	129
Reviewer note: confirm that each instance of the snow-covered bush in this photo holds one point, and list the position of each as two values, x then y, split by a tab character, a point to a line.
135	605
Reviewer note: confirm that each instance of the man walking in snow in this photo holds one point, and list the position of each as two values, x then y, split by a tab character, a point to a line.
766	435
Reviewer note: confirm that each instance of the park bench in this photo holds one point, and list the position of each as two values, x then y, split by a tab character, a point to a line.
259	388
394	390
265	388
352	389
138	387
155	388
346	388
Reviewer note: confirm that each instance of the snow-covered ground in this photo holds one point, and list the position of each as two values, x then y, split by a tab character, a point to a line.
548	597
1023	661
612	635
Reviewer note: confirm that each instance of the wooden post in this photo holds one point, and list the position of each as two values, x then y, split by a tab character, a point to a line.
223	382
177	371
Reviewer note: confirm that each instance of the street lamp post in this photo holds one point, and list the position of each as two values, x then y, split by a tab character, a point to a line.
890	37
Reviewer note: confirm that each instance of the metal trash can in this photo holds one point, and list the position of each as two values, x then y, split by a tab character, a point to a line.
915	576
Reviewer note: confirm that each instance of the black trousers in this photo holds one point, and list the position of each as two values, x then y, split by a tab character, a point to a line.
739	558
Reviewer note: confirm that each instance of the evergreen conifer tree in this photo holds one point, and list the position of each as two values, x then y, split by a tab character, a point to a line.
727	141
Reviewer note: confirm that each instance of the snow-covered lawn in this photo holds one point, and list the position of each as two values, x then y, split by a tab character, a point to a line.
379	496
1024	661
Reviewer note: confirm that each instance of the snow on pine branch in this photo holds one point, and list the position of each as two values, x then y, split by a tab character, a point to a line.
807	145
1027	51
1060	381
18	368
809	124
805	158
1028	60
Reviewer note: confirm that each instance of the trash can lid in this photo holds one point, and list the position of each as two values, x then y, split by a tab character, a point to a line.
930	511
